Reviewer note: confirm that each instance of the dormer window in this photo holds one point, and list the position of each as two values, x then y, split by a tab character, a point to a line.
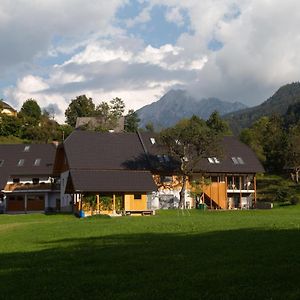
37	162
152	140
1	162
26	148
211	161
21	162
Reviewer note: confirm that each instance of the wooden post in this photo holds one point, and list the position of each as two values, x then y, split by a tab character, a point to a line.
25	203
98	204
114	203
255	195
240	182
210	193
226	187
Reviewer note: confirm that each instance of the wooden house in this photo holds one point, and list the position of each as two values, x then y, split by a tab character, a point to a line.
226	180
27	179
103	173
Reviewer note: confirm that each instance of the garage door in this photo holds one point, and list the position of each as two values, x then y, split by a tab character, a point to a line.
35	202
15	203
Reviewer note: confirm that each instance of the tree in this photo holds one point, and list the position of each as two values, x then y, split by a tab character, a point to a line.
109	114
79	107
132	121
267	137
293	157
31	111
189	141
216	123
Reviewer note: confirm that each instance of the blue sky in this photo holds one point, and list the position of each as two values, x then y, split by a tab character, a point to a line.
138	50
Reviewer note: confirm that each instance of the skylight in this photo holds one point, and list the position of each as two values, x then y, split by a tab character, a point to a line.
21	162
152	140
37	162
1	162
238	160
26	148
213	160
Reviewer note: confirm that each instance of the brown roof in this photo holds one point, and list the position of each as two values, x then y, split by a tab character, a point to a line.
4	105
231	148
102	151
112	181
107	162
38	160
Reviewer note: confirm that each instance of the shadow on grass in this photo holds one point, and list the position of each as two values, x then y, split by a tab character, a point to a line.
241	264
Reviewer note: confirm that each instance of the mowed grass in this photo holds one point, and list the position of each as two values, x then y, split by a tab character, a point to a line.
173	255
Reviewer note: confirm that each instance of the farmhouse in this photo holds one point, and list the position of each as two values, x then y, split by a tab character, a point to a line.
110	173
227	180
95	175
27	179
7	109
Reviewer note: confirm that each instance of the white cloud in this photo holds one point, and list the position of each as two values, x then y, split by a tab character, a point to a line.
174	15
259	38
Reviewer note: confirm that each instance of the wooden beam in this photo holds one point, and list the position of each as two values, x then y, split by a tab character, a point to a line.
114	203
240	182
255	194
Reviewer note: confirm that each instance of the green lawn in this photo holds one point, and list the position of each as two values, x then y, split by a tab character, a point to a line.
173	255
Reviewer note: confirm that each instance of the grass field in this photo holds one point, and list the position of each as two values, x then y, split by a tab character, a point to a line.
173	255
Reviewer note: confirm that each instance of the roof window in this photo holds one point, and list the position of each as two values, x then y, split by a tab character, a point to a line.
26	148
21	162
1	162
238	160
152	140
213	160
37	162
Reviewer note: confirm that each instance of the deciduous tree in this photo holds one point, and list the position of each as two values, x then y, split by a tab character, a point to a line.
189	141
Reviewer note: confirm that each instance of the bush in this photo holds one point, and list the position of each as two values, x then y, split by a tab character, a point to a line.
282	195
294	200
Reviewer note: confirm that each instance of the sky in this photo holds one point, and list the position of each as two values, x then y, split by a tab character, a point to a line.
236	50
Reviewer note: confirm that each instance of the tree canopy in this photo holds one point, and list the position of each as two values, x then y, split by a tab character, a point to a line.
189	141
81	106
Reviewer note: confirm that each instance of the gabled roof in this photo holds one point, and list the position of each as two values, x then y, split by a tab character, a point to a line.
26	160
4	105
107	162
232	149
112	181
103	151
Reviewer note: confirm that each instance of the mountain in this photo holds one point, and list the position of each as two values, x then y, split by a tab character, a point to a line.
178	104
279	103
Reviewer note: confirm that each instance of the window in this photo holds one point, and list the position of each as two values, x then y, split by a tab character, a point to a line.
160	158
235	161
216	160
21	162
137	196
37	162
16	180
152	140
35	180
238	160
213	160
166	158
166	179
26	148
1	162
